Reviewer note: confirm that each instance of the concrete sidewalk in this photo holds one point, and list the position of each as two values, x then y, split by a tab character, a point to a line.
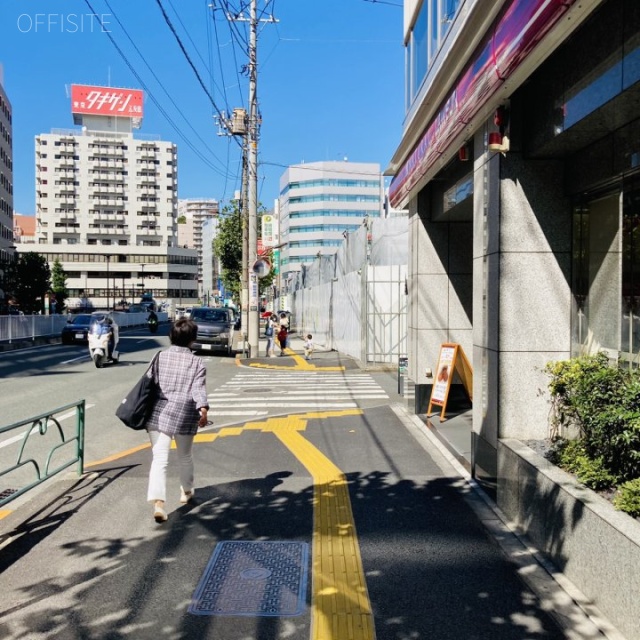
327	525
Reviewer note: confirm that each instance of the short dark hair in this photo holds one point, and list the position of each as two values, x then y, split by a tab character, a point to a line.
183	332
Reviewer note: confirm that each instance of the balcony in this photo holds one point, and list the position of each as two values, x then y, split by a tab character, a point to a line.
67	216
66	162
150	230
112	152
105	164
112	176
106	231
105	201
105	216
115	189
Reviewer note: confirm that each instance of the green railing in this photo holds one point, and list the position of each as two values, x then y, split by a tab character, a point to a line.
41	451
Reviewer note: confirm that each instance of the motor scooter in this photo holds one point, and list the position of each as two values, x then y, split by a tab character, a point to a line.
103	342
153	324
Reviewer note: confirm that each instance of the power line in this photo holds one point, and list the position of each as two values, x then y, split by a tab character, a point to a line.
186	55
224	167
153	98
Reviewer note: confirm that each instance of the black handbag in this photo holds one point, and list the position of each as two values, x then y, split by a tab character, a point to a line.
137	406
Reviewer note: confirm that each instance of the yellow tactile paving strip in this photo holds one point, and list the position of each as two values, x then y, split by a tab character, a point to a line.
340	607
300	364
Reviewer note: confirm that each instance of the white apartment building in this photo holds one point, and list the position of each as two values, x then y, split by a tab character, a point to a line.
106	205
6	176
192	214
210	263
7	252
320	202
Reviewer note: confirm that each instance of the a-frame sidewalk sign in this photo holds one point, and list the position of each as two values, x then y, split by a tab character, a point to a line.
452	359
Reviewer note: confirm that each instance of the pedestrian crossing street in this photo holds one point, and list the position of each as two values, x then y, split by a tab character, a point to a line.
257	393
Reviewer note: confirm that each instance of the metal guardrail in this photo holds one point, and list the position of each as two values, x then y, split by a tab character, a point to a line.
29	469
14	328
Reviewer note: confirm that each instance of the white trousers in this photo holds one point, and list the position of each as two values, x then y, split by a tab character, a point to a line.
161	444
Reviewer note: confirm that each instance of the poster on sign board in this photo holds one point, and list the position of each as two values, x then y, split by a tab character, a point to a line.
452	360
444	374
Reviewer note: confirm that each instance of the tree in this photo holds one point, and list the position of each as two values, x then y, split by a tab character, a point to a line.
32	281
59	285
227	246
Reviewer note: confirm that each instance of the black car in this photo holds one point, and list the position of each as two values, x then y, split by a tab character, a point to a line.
77	328
215	329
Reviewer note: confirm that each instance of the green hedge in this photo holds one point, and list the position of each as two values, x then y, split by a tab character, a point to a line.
602	402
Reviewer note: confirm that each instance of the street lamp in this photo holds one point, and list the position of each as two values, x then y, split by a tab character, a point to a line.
108	257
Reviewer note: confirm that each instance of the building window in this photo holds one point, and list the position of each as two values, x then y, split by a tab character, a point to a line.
428	33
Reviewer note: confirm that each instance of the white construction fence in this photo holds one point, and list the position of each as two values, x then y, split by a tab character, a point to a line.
355	301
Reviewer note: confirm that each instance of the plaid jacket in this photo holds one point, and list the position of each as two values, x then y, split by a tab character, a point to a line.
181	377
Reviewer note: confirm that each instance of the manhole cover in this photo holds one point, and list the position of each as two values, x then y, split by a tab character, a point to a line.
253	579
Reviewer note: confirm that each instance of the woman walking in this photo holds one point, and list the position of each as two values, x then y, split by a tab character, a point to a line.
269	332
181	408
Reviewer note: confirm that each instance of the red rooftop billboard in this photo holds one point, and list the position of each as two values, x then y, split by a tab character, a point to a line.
106	101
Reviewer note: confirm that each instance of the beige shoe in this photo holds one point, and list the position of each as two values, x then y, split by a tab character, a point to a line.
159	514
186	496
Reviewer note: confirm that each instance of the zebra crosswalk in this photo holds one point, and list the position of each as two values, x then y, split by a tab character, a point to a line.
257	393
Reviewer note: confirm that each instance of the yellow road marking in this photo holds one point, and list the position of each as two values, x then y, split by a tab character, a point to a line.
117	456
300	364
340	606
4	513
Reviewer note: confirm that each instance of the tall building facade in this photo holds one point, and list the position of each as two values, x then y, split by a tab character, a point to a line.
192	214
6	176
319	203
520	167
106	204
7	250
210	263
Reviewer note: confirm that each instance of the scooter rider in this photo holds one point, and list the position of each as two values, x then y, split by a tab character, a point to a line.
152	321
107	325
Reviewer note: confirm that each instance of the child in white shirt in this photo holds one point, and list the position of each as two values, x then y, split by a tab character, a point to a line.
308	346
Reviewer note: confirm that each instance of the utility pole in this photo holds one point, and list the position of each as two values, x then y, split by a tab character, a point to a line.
244	213
253	324
251	299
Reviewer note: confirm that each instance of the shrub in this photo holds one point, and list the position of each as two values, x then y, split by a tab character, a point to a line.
627	498
603	403
571	455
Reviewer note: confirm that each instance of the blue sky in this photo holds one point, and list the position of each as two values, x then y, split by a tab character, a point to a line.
330	81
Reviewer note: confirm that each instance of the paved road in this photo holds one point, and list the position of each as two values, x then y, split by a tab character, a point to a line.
317	521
